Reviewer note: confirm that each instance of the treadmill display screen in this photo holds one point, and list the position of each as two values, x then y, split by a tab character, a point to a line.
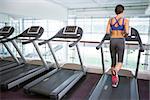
70	30
34	30
6	29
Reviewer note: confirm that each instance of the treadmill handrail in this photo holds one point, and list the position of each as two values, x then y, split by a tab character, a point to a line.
134	37
75	42
100	45
141	45
59	35
107	36
23	42
26	42
70	45
45	41
29	40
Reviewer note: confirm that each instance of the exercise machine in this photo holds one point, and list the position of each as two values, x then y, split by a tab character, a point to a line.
14	76
5	32
127	88
58	82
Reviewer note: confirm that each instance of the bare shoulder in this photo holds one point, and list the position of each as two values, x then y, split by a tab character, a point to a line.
109	20
126	19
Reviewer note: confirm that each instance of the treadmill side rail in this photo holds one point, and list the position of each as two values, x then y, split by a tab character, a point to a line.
28	86
134	89
62	89
18	81
11	69
99	87
63	92
64	84
7	66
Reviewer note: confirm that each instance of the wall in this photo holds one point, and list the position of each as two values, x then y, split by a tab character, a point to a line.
4	18
105	12
147	12
31	8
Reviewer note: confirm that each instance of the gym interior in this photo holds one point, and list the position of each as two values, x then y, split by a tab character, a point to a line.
58	49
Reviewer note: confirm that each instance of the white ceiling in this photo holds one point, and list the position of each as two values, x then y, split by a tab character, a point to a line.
58	8
98	3
104	8
33	8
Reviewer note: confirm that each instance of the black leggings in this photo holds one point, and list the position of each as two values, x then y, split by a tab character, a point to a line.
117	46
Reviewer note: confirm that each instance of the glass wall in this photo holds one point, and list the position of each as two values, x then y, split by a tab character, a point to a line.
4	20
50	28
28	50
2	52
94	30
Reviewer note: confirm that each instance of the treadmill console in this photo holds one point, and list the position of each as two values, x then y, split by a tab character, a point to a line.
131	34
34	30
6	29
70	30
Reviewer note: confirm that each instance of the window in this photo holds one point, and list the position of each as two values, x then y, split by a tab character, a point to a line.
141	24
94	30
99	25
51	27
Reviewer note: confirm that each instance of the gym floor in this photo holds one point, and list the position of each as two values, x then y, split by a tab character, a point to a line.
80	91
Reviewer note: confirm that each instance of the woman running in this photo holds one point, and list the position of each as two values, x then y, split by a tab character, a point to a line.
118	28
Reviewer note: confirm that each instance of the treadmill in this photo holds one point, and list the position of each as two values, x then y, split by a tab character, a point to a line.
127	88
5	32
58	82
14	76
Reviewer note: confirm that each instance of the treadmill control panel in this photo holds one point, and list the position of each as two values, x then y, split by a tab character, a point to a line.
70	30
34	30
5	29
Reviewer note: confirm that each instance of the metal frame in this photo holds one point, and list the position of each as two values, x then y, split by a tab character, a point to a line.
26	77
17	62
38	51
67	84
63	88
11	53
53	54
138	62
80	59
29	73
18	50
6	65
103	65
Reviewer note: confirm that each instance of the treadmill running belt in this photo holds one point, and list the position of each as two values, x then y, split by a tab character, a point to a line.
122	92
5	62
15	73
46	86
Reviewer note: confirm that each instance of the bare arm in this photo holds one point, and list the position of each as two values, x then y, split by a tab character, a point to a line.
126	26
108	27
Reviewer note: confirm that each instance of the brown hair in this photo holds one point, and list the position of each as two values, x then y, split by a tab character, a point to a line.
119	9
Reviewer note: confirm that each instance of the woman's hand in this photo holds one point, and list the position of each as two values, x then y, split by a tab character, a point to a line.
125	35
